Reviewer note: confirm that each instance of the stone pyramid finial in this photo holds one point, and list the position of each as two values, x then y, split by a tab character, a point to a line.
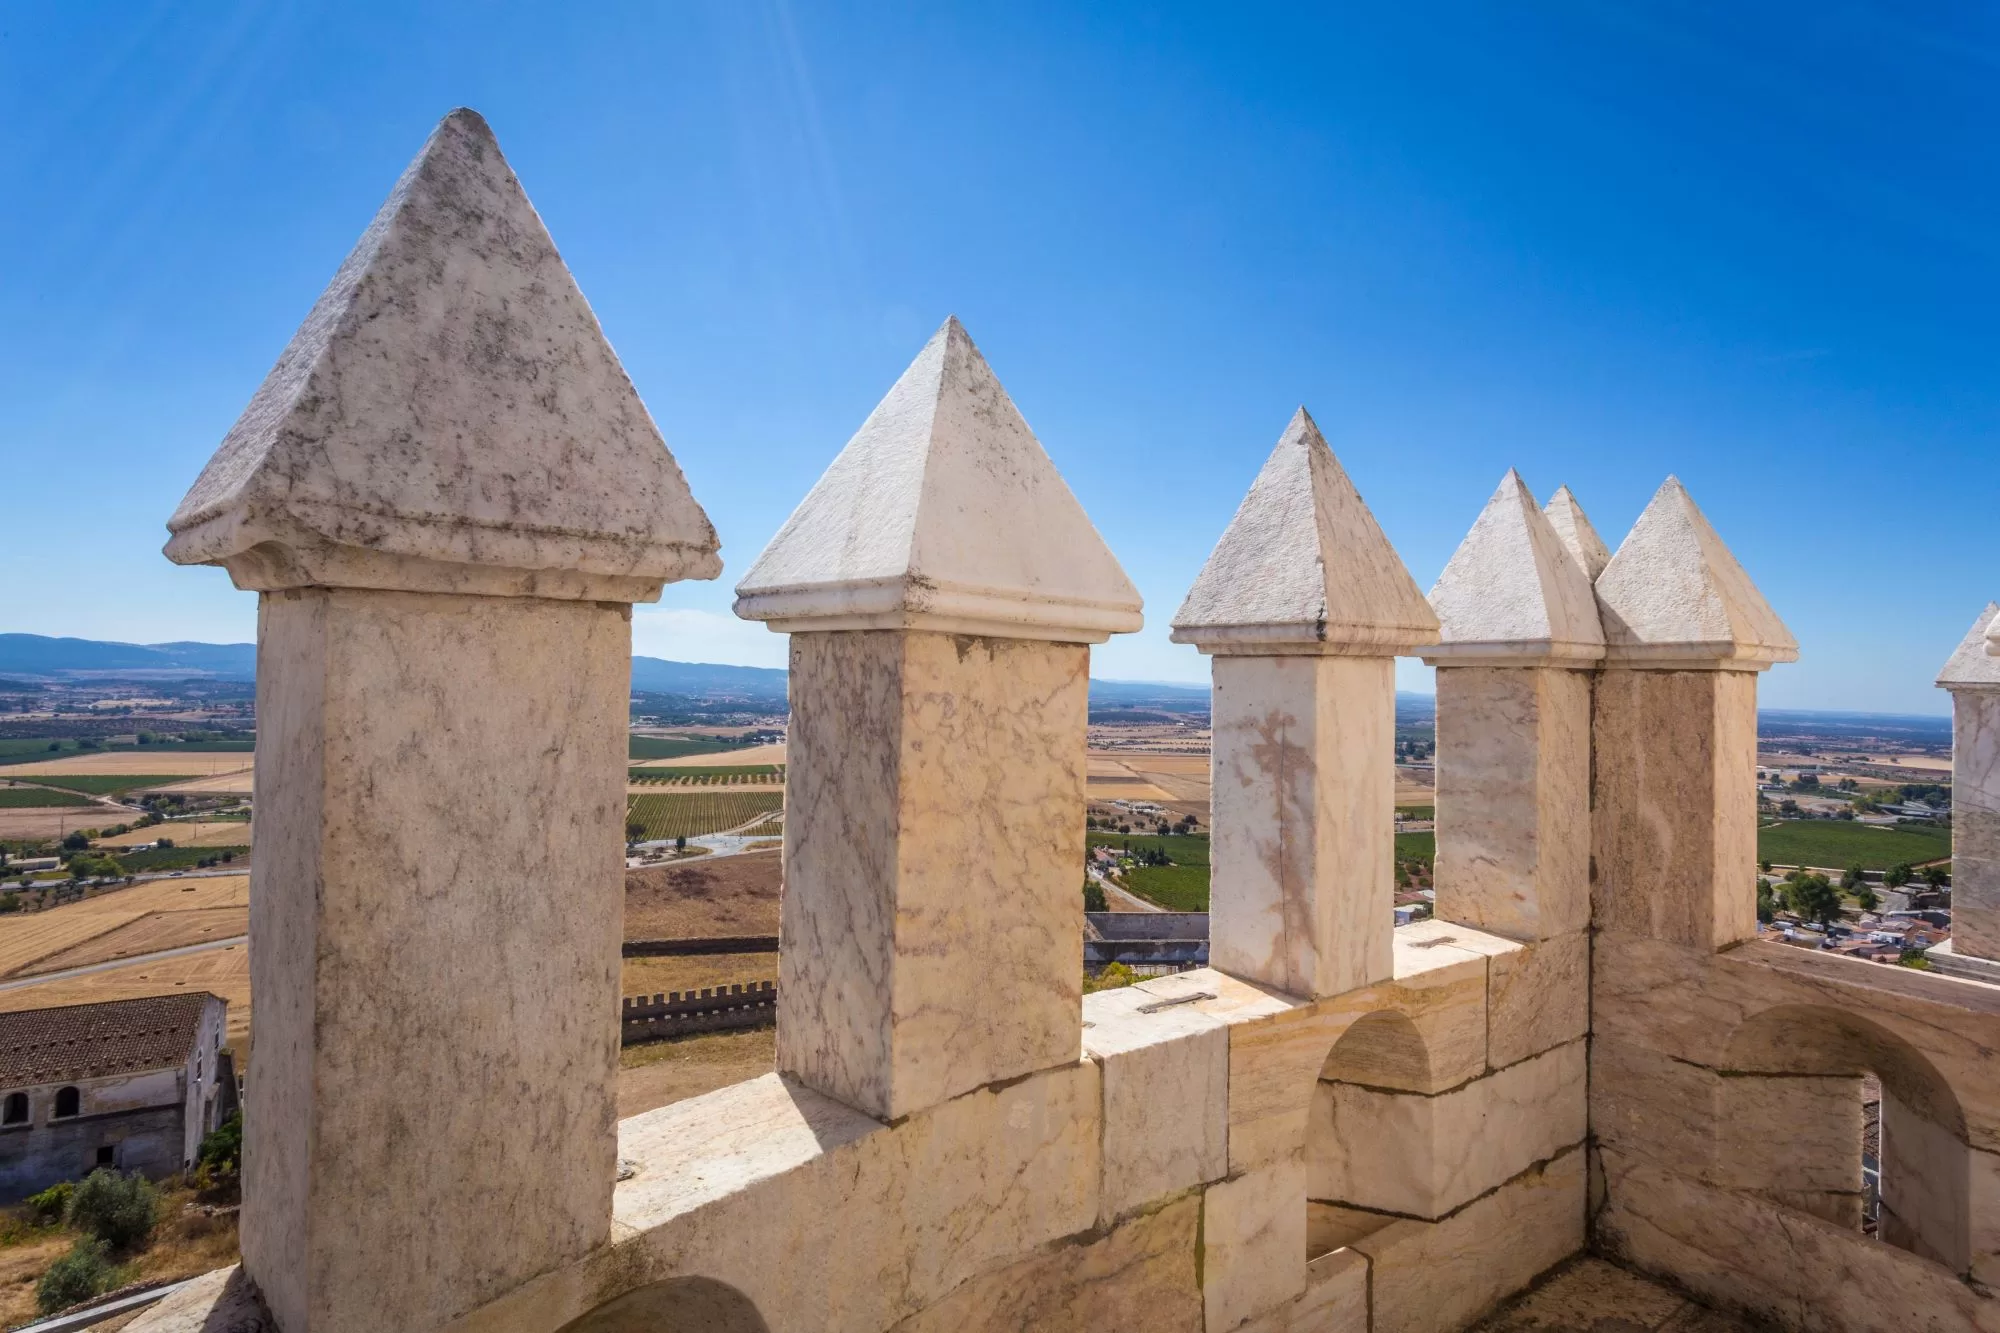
1674	597
942	513
1970	665
1512	595
1579	538
1304	567
449	417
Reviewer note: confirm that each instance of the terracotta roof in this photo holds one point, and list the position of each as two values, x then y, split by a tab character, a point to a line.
78	1041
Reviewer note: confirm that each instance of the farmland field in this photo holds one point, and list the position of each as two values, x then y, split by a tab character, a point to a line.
208	833
693	813
21	798
181	858
721	775
34	936
674	747
151	760
1839	843
1178	888
1416	847
1181	849
771	753
104	784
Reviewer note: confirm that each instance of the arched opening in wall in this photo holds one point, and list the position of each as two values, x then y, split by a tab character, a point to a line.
1368	1139
68	1102
15	1111
677	1305
1837	1116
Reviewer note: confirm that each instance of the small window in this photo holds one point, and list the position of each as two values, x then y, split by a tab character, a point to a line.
16	1110
68	1102
108	1155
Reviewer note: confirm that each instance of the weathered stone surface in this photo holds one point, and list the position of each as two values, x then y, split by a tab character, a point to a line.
1424	1156
935	791
1975	819
1741	1252
1579	538
1970	664
1144	1265
1304	567
1790	1137
1537	997
224	1301
1335	1299
1428	1276
1926	1182
824	1220
1166	1096
1513	799
1588	1295
1511	595
1675	826
1983	1216
1673	596
1254	1243
1304	816
942	513
1649	1105
491	1078
449	418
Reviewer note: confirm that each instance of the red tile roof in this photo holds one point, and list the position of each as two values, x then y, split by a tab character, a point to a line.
79	1041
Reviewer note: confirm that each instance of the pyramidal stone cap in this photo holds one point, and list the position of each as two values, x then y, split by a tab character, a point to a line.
1673	597
1579	538
942	513
1972	666
1512	594
449	418
1304	568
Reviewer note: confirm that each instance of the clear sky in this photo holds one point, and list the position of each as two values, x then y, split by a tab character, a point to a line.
1751	245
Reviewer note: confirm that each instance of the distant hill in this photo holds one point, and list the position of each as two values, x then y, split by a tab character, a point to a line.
37	655
657	675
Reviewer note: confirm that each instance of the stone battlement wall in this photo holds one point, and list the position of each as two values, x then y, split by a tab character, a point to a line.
448	495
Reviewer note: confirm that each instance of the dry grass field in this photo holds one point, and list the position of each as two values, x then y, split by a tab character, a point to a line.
657	976
224	972
30	937
659	1073
730	895
187	833
151	934
53	823
123	763
755	754
237	783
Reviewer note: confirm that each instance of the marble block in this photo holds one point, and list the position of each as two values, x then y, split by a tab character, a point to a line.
1304	818
1513	799
1675	826
1254	1243
434	1007
1537	997
1166	1096
1424	1156
1430	1276
1335	1299
1975	820
222	1301
934	828
1650	1105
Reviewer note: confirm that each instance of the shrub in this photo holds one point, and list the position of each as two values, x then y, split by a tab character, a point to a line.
1093	897
118	1210
76	1277
50	1205
221	1152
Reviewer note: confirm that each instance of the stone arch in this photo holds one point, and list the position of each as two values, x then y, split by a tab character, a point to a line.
1368	1143
15	1111
1792	1128
69	1102
675	1305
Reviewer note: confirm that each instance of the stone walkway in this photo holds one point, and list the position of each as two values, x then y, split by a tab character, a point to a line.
1592	1296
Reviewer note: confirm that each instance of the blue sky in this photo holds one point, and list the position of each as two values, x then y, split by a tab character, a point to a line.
1754	246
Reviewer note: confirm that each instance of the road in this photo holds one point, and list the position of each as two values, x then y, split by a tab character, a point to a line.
18	982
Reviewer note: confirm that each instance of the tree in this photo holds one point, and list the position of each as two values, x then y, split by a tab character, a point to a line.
1898	875
75	842
681	843
76	1277
1814	898
1852	879
1093	896
118	1210
1935	876
634	831
1867	898
1764	866
1766	904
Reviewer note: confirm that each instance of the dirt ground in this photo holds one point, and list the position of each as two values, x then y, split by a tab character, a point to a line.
237	783
729	895
657	976
186	833
151	934
662	1072
185	1243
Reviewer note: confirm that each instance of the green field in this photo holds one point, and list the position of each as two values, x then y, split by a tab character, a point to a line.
109	784
704	776
1177	888
21	798
1416	847
675	747
1839	843
182	858
691	814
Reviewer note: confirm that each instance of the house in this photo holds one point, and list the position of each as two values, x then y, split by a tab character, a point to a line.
129	1084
